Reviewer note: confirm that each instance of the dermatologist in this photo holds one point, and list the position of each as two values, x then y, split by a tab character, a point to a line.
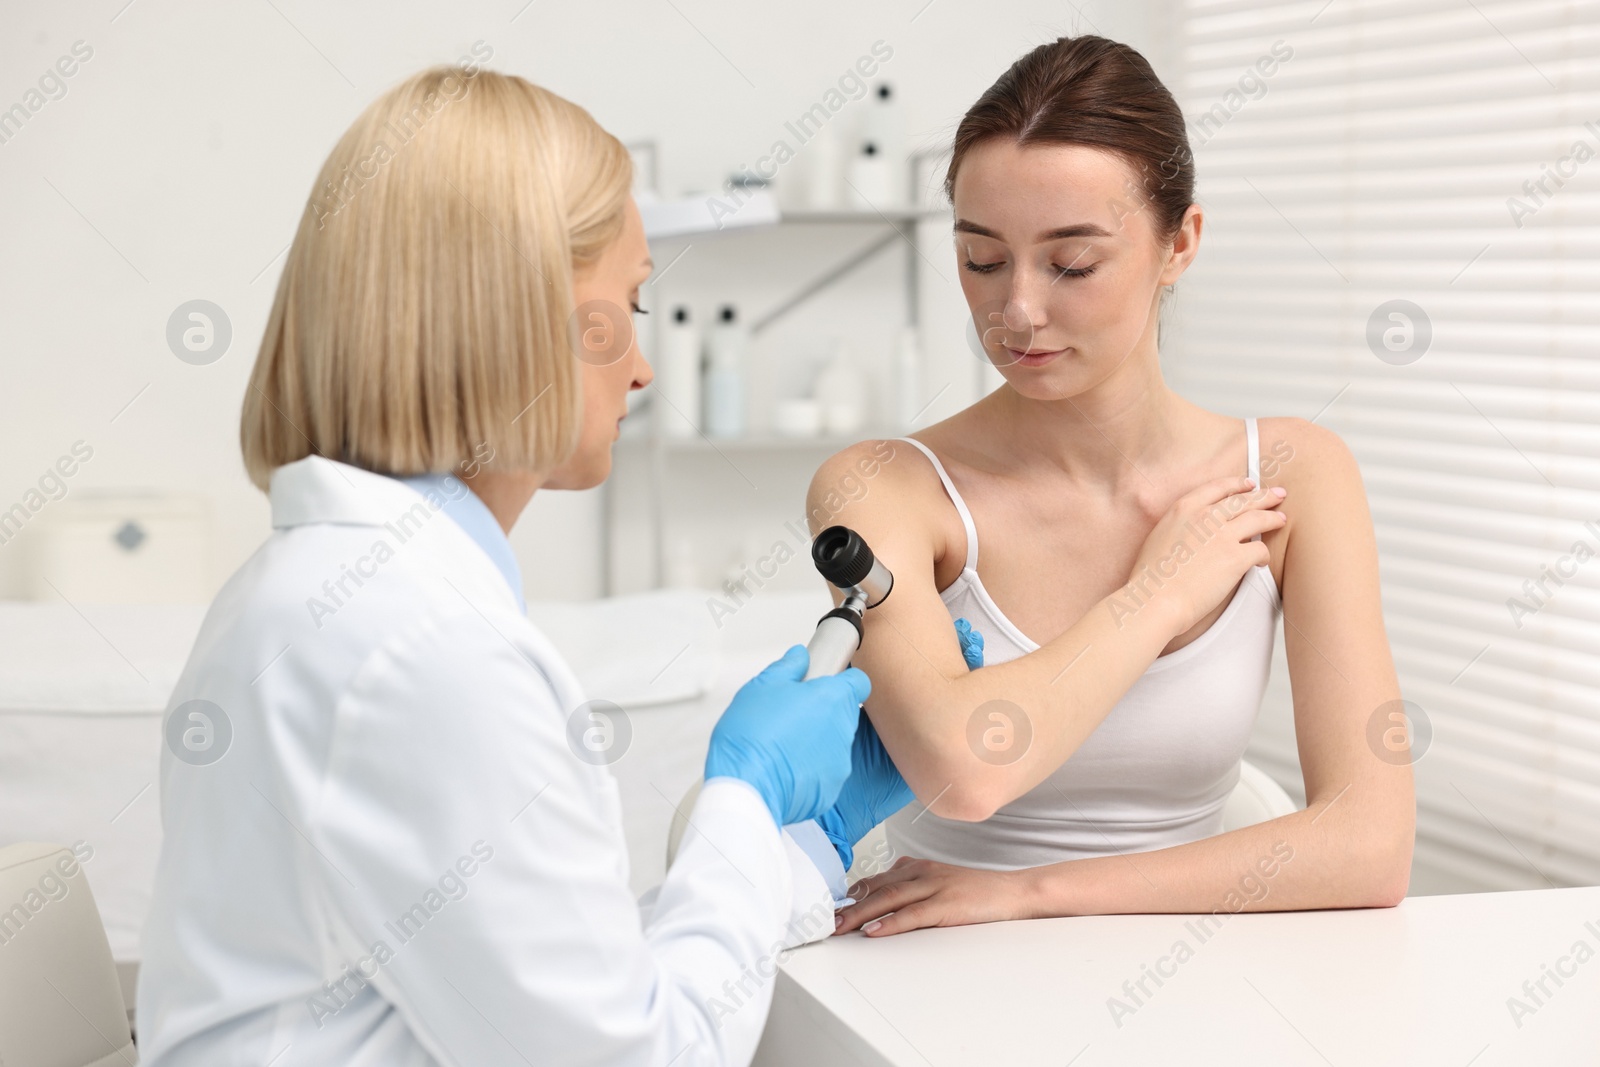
382	844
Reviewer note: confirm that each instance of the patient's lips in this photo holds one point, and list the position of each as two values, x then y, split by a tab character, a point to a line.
1034	357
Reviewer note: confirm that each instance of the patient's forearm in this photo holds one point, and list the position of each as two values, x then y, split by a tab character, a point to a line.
1334	854
1004	729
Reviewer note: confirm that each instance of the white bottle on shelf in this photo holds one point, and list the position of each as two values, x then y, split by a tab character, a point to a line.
797	417
679	381
822	169
884	125
841	393
724	399
871	180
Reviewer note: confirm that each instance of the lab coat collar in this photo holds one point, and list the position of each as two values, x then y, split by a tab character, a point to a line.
317	490
473	515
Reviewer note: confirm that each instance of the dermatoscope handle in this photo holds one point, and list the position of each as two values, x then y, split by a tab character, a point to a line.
836	640
844	559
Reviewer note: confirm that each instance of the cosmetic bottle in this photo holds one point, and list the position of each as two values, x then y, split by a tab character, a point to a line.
841	393
725	385
822	173
883	124
678	381
870	180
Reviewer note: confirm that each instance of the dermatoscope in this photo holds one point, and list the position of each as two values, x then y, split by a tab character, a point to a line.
844	559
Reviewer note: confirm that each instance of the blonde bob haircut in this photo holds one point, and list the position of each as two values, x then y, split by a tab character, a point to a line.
421	320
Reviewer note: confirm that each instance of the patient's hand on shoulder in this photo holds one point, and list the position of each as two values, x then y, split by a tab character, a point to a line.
1202	547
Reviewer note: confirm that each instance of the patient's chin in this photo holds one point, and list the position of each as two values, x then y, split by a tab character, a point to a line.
1036	386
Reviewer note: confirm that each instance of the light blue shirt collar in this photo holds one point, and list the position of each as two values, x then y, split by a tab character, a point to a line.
473	515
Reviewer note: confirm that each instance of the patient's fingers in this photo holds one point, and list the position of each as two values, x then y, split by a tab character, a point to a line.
1265	498
896	872
1255	522
882	900
917	893
910	917
883	892
1209	493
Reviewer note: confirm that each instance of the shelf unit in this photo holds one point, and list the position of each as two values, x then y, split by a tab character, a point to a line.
898	224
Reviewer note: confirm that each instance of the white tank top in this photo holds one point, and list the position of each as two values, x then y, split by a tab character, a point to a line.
1157	770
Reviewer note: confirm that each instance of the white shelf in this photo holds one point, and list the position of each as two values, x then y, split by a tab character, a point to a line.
860	216
689	218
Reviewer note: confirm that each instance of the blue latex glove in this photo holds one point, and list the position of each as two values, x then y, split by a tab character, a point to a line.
876	789
971	644
789	738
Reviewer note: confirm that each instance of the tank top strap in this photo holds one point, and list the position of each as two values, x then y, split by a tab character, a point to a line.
1253	442
1253	463
955	498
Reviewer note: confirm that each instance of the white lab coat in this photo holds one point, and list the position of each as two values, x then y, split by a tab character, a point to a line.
398	859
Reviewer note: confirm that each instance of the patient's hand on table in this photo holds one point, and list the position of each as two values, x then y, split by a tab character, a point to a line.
928	893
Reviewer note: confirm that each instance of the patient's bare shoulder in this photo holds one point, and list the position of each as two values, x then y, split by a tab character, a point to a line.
1324	482
888	492
846	478
1298	454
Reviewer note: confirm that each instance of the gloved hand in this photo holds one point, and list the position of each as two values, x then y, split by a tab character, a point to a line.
791	739
971	644
876	789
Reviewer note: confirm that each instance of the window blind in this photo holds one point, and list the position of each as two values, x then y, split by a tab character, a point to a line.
1445	154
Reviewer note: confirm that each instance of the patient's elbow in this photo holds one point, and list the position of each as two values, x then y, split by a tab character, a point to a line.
954	782
1393	872
974	809
958	801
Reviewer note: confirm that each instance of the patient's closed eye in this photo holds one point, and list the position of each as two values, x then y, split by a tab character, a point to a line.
1069	272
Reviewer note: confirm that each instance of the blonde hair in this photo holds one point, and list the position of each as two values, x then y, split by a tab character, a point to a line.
422	315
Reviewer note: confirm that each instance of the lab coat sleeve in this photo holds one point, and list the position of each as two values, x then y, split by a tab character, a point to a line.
810	839
814	881
463	844
809	850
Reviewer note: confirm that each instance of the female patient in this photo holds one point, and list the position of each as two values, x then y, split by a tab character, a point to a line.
1131	577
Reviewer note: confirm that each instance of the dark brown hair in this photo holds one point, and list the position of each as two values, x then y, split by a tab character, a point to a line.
1090	91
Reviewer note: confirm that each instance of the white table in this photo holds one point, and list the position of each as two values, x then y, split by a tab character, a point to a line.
1421	984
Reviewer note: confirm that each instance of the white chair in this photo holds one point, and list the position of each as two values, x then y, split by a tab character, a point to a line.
1256	798
60	1001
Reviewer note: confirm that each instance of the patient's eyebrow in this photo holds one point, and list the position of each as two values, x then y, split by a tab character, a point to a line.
1081	229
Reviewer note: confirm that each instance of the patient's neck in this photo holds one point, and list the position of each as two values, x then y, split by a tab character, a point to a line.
1119	432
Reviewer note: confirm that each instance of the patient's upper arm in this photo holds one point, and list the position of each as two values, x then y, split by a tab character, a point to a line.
886	491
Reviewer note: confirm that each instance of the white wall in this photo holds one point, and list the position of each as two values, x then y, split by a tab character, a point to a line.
177	163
